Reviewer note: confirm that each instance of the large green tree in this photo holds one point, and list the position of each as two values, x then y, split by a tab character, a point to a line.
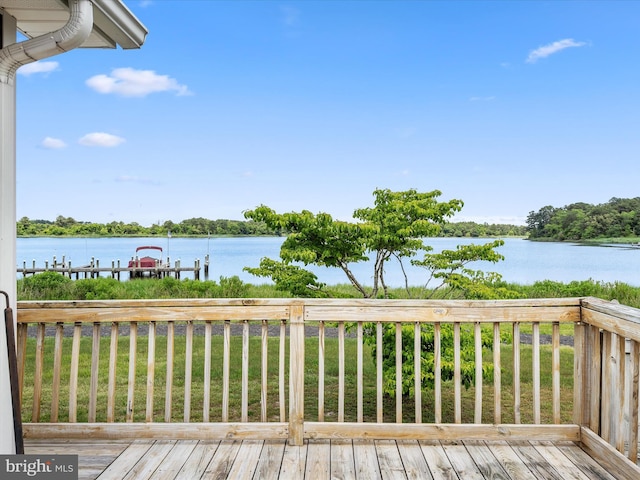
395	228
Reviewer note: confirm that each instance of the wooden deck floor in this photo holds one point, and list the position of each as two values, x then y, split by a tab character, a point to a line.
319	459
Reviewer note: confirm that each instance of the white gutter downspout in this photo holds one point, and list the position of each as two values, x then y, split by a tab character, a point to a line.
13	56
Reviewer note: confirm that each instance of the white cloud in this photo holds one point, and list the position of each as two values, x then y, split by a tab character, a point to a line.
53	143
129	82
100	139
550	49
38	67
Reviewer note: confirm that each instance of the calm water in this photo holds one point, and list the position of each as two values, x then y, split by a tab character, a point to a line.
525	262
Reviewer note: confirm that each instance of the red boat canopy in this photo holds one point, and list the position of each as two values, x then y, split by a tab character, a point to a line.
153	247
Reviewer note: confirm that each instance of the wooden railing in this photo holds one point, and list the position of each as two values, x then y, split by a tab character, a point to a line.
83	372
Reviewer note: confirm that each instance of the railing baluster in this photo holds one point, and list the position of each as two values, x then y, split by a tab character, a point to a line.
457	380
341	372
244	416
612	417
497	375
281	370
168	396
535	357
583	361
398	372
206	401
379	378
113	357
264	371
188	371
516	372
622	357
605	423
594	340
133	359
555	371
321	359
477	334
632	394
95	370
57	368
37	376
417	369
437	367
359	360
226	351
151	371
73	374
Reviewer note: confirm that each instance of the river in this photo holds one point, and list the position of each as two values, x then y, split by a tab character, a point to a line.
525	262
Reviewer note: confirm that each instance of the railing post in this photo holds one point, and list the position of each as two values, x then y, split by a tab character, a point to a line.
296	374
581	375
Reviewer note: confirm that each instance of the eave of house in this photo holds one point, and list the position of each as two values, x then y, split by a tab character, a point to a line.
113	23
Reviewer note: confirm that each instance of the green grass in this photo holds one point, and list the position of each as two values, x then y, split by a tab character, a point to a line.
54	286
311	384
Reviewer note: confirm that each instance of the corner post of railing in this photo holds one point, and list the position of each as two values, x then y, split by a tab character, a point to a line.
582	391
296	374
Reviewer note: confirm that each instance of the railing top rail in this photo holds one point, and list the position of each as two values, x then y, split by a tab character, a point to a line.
249	302
611	316
348	310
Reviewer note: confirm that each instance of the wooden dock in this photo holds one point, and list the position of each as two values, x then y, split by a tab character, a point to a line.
116	270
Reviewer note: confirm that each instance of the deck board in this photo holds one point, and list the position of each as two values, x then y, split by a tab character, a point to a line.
511	462
147	465
343	465
486	461
391	466
169	469
566	469
584	462
366	460
222	460
316	459
270	462
249	452
534	460
461	460
413	460
196	464
437	459
294	461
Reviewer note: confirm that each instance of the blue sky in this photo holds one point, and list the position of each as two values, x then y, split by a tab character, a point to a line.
507	105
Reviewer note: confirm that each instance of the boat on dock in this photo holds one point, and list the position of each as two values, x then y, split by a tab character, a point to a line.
146	264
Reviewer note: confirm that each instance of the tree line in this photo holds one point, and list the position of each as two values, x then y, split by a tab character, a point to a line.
67	226
618	218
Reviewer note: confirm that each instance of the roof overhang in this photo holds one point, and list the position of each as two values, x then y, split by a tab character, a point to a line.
113	23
